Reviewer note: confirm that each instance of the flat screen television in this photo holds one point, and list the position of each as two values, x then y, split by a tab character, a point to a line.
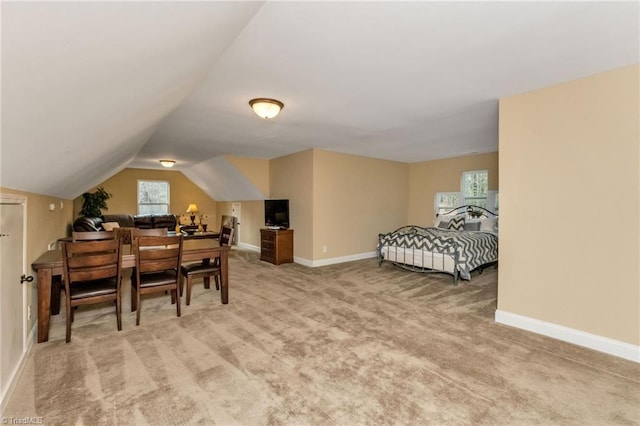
276	213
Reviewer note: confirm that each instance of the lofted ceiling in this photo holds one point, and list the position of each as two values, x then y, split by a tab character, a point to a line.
89	88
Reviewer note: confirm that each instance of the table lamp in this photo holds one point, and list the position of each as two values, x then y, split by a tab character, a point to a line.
193	209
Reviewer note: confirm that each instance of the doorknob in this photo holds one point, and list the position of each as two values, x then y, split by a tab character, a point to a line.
27	278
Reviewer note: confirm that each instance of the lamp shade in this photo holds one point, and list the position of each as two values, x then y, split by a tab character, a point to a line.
193	208
266	108
168	163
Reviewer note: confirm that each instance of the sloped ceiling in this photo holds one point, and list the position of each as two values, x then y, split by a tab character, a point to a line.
91	88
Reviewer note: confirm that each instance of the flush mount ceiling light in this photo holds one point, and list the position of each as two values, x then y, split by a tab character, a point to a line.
168	163
266	108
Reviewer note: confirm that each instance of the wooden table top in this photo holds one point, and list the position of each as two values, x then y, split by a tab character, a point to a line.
52	259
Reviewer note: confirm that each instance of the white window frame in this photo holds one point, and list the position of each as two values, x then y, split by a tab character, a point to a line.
462	188
492	201
153	204
437	202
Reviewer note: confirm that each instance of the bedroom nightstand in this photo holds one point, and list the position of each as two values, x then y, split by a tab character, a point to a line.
276	246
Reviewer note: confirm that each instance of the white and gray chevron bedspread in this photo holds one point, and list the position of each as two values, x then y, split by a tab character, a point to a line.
474	248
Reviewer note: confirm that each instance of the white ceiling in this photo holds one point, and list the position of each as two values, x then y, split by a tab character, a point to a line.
90	88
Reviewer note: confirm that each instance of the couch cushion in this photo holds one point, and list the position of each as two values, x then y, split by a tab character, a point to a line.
125	220
87	224
164	221
143	222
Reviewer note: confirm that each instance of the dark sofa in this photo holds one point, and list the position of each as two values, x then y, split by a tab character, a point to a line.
84	224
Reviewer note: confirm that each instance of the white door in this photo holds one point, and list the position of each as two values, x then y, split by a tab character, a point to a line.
235	212
13	294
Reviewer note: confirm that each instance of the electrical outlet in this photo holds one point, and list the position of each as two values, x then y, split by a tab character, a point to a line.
325	249
29	312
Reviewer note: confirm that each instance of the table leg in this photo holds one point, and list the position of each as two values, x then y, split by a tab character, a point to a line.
44	303
207	279
224	279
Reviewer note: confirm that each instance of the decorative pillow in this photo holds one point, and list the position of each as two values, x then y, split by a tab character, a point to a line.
457	223
488	225
442	221
110	226
472	226
444	224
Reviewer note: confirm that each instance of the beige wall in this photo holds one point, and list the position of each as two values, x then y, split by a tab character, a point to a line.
43	227
428	177
250	221
123	187
291	177
570	205
255	169
339	201
354	199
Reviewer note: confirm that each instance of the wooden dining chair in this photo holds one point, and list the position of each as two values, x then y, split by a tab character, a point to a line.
92	236
157	232
91	271
124	233
205	269
77	236
157	269
139	232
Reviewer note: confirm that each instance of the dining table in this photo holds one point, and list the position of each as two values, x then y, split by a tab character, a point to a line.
49	276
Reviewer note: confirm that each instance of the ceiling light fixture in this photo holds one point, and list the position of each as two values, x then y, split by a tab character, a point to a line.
168	163
266	108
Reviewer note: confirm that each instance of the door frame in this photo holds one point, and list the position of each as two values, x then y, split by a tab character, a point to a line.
236	208
21	200
6	198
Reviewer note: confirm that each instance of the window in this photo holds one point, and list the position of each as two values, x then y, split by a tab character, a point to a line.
153	197
492	201
475	186
474	190
446	201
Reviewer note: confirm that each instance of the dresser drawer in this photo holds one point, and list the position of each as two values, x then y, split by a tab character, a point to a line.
268	245
267	254
268	236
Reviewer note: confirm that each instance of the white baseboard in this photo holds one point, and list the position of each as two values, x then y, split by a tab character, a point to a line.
15	375
566	334
249	247
334	260
322	262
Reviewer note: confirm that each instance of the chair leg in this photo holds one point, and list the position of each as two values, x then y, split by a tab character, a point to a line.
207	281
139	307
119	312
178	298
134	298
216	278
69	313
189	283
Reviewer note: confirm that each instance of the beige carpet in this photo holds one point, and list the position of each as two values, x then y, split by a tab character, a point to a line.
346	344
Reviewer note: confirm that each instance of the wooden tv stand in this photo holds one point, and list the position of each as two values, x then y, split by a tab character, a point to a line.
276	245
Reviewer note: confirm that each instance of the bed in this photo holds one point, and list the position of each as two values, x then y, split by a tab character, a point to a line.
462	240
